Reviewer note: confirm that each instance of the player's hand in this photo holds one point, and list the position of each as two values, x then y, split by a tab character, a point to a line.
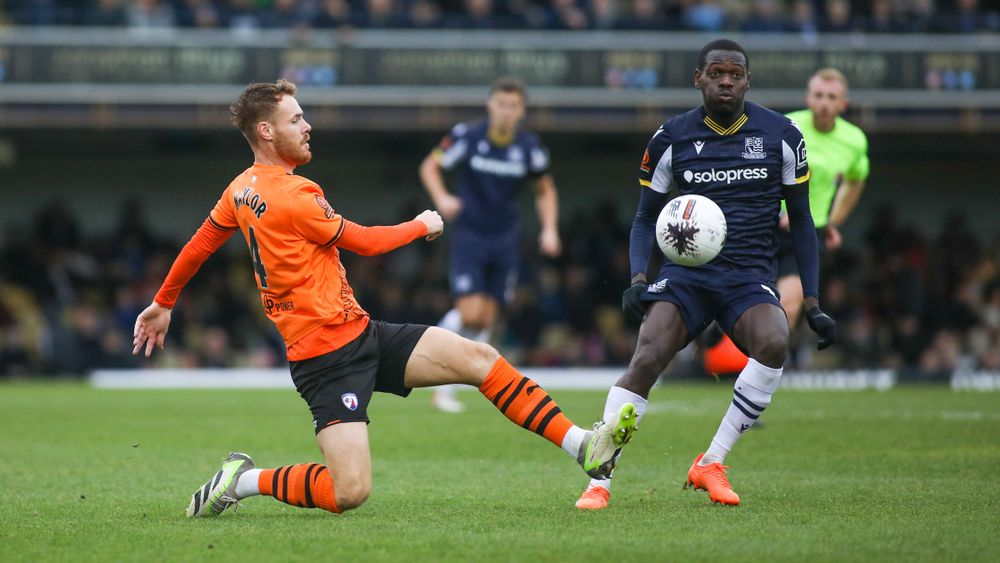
150	329
448	206
435	226
632	304
833	238
783	223
549	243
823	325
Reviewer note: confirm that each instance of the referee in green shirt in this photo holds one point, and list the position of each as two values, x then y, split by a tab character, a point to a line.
838	160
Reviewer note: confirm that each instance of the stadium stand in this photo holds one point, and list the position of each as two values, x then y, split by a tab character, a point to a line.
758	16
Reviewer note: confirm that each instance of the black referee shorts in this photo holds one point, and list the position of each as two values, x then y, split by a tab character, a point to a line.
338	385
787	264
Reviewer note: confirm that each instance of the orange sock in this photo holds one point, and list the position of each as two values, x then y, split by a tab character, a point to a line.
307	485
525	403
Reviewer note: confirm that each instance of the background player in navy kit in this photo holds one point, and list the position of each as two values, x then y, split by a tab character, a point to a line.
747	159
493	157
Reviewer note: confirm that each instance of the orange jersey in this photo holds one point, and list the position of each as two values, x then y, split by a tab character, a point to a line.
293	234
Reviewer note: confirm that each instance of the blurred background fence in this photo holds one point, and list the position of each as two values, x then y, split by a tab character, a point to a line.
115	143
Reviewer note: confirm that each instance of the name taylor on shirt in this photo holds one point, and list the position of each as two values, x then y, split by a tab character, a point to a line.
252	200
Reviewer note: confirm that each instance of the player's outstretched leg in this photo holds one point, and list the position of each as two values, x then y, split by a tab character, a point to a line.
597	495
306	485
444	357
526	404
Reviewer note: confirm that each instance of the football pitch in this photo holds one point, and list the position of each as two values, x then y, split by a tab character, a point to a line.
908	474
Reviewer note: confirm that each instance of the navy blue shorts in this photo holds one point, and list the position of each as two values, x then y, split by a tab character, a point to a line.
702	300
483	264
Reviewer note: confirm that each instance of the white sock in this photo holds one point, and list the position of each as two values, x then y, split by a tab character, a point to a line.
618	396
246	486
751	395
452	320
573	439
484	335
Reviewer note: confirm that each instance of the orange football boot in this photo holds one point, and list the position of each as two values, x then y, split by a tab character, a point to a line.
594	498
712	478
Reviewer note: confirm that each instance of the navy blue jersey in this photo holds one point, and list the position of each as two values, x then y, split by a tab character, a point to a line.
490	176
743	168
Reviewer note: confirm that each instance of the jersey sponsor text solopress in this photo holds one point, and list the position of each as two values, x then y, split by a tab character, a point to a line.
728	176
498	167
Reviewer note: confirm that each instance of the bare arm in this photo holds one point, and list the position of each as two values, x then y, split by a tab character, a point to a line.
846	200
547	206
432	178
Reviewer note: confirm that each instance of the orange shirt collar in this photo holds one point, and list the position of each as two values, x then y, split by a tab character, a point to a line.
272	168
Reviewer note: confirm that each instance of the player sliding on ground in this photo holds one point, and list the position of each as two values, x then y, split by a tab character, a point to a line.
337	354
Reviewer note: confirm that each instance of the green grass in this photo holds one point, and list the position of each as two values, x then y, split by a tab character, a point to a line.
910	474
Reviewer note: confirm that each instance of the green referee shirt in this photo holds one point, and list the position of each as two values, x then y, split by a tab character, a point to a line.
840	152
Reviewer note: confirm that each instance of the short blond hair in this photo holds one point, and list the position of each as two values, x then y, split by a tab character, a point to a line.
830	73
257	103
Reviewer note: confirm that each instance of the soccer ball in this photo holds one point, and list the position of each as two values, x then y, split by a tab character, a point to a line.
691	230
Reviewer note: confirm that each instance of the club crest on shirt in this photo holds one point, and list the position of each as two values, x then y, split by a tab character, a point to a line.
754	148
325	206
350	401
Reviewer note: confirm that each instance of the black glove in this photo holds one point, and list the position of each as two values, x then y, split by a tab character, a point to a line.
632	305
823	325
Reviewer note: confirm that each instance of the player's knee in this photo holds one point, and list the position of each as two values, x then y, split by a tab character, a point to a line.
647	364
772	349
352	493
481	355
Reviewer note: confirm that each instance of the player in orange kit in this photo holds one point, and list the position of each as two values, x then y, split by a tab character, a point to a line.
337	354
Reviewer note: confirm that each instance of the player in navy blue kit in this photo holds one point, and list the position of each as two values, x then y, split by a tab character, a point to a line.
494	158
747	159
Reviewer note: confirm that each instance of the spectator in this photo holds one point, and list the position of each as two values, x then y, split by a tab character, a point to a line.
967	18
837	17
883	18
378	14
105	13
199	13
804	19
704	15
149	14
644	15
333	14
282	14
764	18
603	14
424	14
243	16
566	15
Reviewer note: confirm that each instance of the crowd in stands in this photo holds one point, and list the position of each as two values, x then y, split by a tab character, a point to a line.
764	16
922	303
